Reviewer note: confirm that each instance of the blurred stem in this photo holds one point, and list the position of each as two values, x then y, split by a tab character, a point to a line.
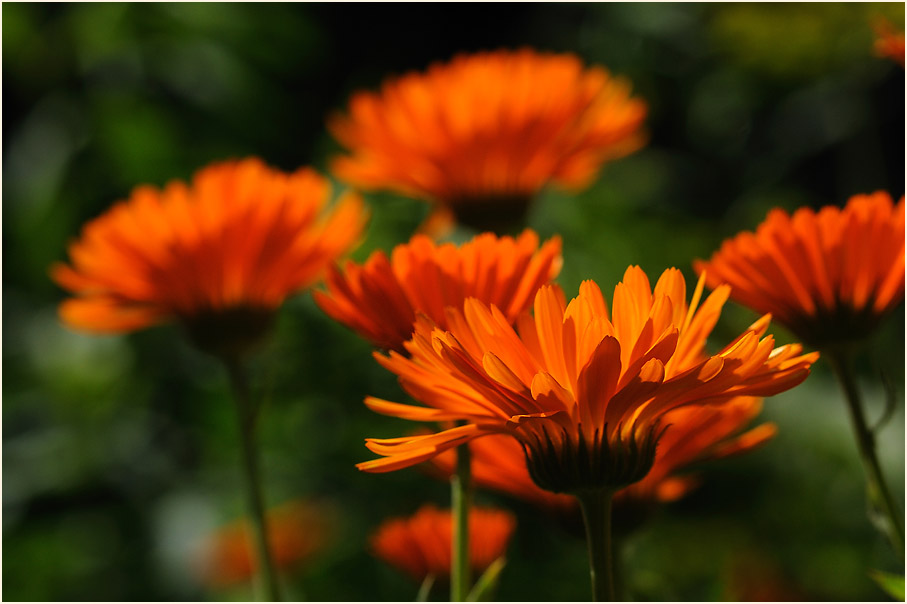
596	507
460	495
248	415
425	588
879	495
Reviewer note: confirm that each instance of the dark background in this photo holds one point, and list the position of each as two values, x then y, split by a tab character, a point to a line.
120	453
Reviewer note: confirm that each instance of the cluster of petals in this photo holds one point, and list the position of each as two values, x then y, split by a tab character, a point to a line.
571	374
827	275
697	433
489	125
296	531
889	43
380	299
421	544
241	235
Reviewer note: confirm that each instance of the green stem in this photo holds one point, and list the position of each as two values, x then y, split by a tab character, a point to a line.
247	415
460	496
596	507
879	495
425	588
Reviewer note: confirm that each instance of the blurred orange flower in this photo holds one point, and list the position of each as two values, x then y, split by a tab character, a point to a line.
889	43
420	545
829	276
225	250
380	299
296	531
584	394
483	133
695	433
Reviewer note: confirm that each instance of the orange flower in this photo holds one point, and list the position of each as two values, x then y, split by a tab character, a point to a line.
699	433
222	252
584	394
380	299
695	433
421	545
830	276
296	530
889	43
482	134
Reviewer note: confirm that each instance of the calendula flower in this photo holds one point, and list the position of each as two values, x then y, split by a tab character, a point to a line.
696	433
296	531
830	276
380	299
218	255
583	392
483	133
421	544
889	43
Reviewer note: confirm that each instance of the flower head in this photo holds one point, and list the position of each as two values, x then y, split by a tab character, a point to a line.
889	43
483	133
829	276
380	299
421	545
219	254
582	391
695	433
296	530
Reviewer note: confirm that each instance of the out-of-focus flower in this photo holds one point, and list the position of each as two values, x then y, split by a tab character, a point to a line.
830	276
421	544
889	43
219	255
381	298
696	433
584	394
483	133
296	531
699	433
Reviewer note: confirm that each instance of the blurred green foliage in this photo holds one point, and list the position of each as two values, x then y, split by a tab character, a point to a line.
120	453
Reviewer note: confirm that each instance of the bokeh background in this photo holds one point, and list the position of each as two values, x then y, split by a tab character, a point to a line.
120	454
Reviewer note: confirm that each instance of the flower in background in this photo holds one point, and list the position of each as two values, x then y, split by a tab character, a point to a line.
296	531
380	299
830	276
889	43
421	544
218	255
584	394
696	433
482	134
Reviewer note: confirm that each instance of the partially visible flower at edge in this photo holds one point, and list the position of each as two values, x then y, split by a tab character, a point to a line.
380	299
218	255
483	133
829	276
584	394
296	531
695	433
421	544
889	42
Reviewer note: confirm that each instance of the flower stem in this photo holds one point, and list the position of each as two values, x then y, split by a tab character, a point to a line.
247	415
460	495
596	507
879	495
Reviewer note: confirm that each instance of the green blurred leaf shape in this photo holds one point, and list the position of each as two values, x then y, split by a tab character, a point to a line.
892	584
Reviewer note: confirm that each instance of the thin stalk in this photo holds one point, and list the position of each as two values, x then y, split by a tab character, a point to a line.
247	415
425	588
460	496
879	495
596	507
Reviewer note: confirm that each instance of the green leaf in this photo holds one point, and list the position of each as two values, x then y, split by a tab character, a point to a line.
487	582
892	584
